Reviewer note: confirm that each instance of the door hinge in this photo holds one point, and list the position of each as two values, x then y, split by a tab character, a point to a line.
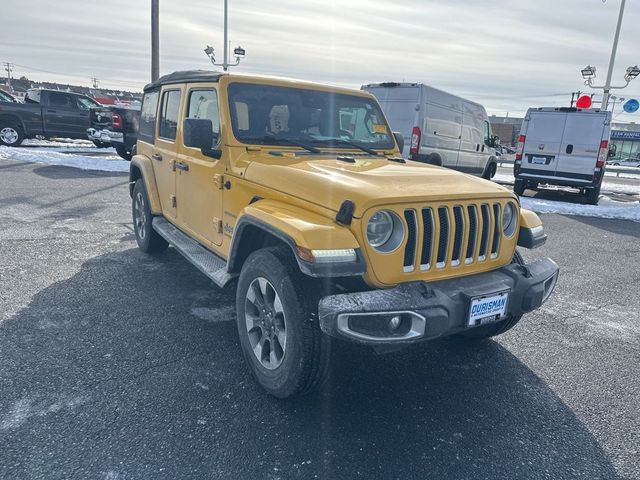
218	180
174	201
217	224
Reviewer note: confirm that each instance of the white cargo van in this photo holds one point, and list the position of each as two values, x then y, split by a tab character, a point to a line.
444	129
563	146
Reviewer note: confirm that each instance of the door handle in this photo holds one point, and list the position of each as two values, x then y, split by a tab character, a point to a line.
182	166
157	156
569	149
52	111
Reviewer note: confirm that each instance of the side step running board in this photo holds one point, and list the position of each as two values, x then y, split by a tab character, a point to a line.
204	260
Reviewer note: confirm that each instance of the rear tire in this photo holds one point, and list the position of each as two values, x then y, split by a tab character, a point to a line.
100	144
518	187
488	331
283	346
149	241
11	135
123	152
593	195
434	159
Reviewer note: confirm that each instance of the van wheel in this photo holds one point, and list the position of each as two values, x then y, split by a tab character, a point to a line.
434	159
487	331
490	171
518	187
10	134
149	241
284	349
593	195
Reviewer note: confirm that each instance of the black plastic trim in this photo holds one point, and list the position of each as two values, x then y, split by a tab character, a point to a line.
526	238
345	214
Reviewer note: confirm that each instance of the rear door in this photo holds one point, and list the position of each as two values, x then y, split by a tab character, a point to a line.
543	140
400	106
580	145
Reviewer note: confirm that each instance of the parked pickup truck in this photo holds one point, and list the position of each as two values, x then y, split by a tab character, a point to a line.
295	194
6	97
115	125
46	113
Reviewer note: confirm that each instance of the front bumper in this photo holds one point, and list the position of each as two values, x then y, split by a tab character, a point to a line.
104	135
431	310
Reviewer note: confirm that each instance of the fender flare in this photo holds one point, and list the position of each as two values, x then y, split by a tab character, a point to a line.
298	229
12	117
141	167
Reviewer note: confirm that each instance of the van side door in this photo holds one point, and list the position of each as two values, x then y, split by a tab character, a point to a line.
199	178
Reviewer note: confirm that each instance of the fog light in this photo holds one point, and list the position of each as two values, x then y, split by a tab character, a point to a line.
395	322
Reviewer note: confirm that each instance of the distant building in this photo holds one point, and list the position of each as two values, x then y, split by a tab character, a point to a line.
506	128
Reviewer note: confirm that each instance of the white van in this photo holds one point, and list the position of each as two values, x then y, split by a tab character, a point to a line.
444	129
563	146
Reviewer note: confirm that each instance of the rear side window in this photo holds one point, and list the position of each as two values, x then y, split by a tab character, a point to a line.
169	115
62	100
146	132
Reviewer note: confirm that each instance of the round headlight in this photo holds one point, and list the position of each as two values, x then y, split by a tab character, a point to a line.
385	231
509	219
379	228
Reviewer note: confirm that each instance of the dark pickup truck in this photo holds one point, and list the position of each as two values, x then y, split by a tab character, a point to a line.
115	125
45	113
6	97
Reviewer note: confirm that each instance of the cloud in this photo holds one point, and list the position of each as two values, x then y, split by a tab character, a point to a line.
507	55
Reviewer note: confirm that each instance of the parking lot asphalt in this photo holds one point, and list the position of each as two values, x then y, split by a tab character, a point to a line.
119	365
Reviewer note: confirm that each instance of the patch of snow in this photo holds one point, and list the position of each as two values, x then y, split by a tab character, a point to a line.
609	184
48	156
62	142
607	208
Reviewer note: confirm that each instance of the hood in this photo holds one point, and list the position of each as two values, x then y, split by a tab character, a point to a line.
368	182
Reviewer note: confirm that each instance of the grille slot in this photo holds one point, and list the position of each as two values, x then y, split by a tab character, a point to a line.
473	233
427	239
458	219
412	235
443	241
484	236
497	225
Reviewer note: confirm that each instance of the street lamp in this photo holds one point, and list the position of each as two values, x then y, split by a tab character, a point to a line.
588	72
239	52
632	72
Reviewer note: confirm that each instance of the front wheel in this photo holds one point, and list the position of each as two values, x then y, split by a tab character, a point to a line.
489	171
282	344
487	331
11	135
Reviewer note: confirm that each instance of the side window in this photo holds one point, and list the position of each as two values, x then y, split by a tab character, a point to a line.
61	100
146	131
169	115
204	104
487	132
85	103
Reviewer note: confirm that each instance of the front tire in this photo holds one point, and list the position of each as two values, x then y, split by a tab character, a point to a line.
488	331
489	171
100	144
149	241
284	348
11	135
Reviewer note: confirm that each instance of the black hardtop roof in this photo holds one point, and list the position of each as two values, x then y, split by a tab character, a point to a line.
185	76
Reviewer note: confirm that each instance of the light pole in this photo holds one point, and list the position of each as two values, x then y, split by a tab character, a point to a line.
589	72
239	52
155	40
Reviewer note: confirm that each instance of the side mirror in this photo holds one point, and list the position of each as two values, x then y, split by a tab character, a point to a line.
399	140
198	133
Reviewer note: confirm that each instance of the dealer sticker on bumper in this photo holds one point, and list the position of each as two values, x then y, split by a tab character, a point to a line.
488	309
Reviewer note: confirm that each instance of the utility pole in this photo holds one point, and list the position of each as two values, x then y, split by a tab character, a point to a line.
155	40
8	68
95	82
612	60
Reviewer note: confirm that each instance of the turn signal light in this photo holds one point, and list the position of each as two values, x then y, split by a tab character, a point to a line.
415	141
520	147
603	153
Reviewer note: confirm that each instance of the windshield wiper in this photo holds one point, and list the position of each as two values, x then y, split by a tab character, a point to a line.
341	141
289	141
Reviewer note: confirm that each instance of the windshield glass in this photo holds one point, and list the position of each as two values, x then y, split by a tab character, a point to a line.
272	115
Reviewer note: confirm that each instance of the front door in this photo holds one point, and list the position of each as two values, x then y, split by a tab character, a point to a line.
199	179
63	117
165	150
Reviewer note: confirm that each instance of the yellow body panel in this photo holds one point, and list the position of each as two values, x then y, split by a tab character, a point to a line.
301	194
143	163
529	219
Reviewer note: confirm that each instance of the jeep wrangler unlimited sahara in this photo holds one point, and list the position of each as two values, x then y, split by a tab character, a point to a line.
298	194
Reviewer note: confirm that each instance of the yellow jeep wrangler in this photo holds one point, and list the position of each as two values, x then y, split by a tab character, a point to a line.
298	194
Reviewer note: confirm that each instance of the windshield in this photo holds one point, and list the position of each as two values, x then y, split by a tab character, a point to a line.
272	115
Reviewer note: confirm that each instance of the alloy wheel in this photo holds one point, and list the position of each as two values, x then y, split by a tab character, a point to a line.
9	135
141	216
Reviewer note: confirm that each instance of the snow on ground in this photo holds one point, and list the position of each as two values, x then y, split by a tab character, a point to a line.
62	142
109	162
608	184
606	208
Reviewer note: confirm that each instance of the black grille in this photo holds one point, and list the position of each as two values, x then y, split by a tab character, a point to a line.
497	225
412	233
486	223
427	241
443	241
458	218
473	230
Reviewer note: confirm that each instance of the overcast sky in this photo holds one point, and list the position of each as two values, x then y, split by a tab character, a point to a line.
508	55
